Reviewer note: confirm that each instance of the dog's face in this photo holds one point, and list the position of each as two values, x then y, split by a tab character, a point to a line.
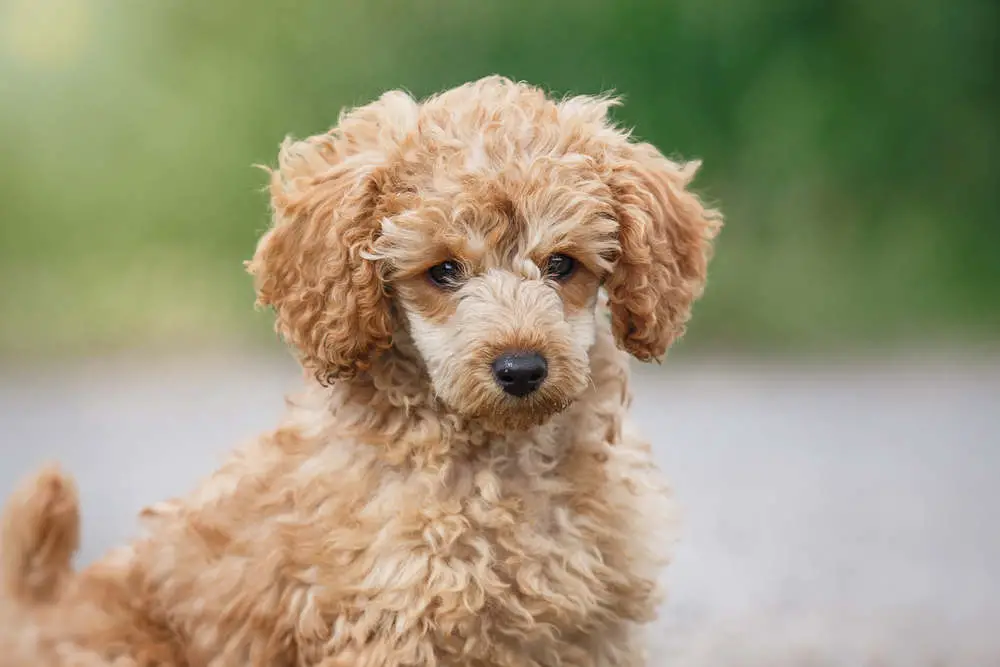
496	278
481	223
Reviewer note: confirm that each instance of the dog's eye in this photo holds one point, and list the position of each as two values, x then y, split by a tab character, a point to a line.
446	274
560	267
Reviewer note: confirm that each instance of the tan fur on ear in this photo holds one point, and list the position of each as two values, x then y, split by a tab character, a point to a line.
310	267
665	237
314	266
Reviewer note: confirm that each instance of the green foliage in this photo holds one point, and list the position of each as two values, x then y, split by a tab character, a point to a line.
853	146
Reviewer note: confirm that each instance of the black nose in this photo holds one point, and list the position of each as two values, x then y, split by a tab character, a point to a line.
520	373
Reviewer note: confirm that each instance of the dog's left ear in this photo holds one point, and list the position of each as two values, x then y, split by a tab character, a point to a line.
665	235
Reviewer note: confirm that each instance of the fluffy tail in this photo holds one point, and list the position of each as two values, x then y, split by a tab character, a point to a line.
39	533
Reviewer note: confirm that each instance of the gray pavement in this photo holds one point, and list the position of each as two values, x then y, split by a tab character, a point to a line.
833	514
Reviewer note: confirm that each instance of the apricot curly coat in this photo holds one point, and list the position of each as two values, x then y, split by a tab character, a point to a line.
408	511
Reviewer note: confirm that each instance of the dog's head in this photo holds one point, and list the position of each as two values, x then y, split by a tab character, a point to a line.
481	224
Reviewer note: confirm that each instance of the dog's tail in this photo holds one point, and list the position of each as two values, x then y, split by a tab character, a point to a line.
39	533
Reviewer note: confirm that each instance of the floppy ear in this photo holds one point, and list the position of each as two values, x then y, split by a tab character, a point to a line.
665	236
311	266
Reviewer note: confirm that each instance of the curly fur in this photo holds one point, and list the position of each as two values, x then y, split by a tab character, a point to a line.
407	511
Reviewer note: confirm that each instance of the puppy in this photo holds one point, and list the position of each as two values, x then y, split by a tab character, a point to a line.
462	279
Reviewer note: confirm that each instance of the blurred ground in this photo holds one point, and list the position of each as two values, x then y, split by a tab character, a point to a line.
835	514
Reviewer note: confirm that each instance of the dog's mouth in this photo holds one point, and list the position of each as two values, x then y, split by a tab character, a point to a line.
510	413
522	390
513	386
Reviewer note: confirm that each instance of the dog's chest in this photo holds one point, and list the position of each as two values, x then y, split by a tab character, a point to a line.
494	558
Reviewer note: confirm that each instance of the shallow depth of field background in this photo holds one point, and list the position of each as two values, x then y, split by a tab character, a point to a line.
829	421
853	146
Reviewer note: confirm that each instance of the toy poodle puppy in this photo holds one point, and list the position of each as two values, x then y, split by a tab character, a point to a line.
462	279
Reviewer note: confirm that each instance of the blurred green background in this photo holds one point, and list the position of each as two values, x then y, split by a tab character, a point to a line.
852	145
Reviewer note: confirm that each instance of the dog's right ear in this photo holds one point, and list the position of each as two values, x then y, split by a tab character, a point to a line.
310	266
315	266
